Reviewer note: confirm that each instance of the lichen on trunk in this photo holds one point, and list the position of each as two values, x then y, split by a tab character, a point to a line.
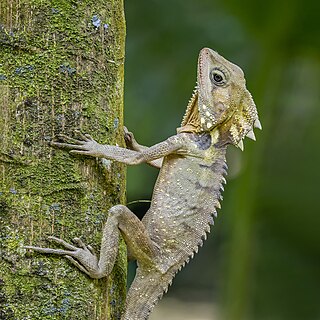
61	69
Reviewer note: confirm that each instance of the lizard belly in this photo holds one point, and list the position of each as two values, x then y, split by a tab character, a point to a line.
183	204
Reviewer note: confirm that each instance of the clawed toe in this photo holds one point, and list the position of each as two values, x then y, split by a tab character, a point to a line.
71	250
78	265
91	250
65	141
68	139
62	242
49	250
80	243
63	145
129	139
84	136
125	130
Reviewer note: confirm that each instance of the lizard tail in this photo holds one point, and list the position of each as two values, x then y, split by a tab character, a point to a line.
146	290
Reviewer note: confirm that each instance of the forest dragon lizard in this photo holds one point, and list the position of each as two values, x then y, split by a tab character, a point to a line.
188	190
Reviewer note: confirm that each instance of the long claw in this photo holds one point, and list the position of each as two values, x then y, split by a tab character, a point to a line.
88	137
49	250
130	141
80	243
91	250
84	136
78	265
69	139
66	145
83	153
62	242
128	136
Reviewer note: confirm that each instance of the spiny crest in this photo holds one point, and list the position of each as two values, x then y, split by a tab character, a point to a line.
190	105
190	121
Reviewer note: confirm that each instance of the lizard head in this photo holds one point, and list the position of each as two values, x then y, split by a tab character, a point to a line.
223	101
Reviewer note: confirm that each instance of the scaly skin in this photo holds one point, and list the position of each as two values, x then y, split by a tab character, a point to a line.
187	192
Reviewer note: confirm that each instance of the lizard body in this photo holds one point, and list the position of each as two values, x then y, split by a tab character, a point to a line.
187	192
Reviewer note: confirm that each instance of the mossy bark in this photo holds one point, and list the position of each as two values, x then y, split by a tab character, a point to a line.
61	69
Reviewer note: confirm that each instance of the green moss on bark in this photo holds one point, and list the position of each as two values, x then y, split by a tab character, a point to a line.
61	69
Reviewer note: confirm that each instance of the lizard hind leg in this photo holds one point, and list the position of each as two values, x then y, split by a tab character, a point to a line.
150	281
120	220
139	244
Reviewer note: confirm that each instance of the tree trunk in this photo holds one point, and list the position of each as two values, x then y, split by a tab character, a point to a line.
61	69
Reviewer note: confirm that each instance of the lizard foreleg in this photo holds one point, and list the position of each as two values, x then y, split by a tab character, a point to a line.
89	147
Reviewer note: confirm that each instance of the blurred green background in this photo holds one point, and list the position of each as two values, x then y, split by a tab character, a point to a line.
262	260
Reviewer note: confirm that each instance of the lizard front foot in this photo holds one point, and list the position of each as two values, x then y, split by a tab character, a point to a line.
86	145
83	257
129	139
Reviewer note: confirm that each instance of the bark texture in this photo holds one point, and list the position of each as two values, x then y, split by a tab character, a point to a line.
61	68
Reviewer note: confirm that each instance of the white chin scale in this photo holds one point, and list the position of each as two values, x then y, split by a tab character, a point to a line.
207	119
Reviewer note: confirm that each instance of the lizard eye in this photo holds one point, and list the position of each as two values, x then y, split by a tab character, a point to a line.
218	77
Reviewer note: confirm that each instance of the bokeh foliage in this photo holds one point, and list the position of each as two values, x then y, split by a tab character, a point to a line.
262	261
